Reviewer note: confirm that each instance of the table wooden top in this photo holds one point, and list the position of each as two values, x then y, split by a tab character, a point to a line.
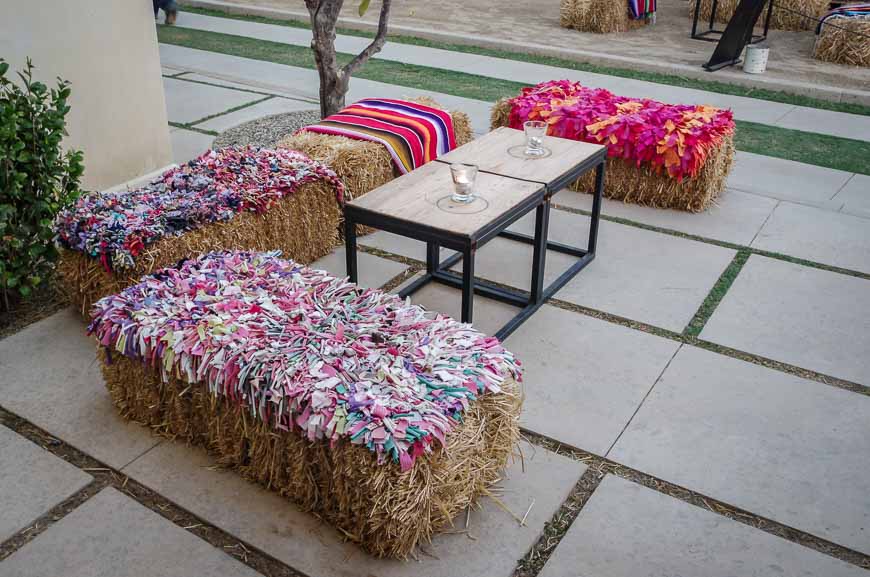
490	154
422	196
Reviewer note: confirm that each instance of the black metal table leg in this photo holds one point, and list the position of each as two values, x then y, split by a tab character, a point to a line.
467	283
539	256
596	209
350	248
433	250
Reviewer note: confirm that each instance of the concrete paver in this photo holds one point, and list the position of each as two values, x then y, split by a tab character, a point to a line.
373	271
818	235
638	274
785	448
113	536
51	377
855	196
187	144
736	216
786	179
274	525
188	102
811	318
583	377
32	481
628	529
266	108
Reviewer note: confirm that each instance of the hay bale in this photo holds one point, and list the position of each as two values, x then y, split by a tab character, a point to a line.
598	16
383	510
847	43
362	165
339	424
779	20
303	225
643	185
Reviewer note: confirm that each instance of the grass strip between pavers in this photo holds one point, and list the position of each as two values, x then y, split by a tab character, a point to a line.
716	294
657	77
807	147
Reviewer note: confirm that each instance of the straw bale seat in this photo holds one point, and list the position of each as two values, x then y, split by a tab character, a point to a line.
848	42
380	418
363	165
659	155
598	16
176	217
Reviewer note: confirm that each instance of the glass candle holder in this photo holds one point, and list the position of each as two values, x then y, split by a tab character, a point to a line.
464	176
535	132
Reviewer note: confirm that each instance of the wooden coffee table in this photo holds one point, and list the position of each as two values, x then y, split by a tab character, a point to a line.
418	205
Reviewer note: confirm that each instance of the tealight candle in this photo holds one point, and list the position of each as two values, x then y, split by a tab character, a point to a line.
464	176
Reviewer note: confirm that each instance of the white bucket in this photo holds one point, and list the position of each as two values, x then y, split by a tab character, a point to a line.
755	61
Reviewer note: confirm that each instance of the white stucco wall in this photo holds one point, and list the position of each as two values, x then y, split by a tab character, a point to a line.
108	50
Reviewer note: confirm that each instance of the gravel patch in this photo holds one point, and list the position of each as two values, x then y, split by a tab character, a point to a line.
266	131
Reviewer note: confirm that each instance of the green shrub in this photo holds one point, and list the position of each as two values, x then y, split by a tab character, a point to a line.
36	178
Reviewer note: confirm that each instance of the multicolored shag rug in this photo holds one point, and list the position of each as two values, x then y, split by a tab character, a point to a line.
115	227
303	350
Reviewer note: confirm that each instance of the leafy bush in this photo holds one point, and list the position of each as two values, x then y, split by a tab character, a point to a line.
36	178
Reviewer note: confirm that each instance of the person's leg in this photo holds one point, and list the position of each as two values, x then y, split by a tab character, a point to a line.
171	10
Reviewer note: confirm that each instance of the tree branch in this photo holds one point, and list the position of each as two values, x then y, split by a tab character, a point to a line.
376	44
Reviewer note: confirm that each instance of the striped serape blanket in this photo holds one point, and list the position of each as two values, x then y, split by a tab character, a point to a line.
642	9
413	133
846	11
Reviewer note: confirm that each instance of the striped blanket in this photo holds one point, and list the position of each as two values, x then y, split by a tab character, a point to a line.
413	133
846	11
642	9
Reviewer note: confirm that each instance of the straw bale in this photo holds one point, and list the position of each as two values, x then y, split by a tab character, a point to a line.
848	44
599	16
642	185
780	20
387	512
303	225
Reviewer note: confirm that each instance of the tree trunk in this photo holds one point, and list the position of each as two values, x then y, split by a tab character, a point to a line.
335	80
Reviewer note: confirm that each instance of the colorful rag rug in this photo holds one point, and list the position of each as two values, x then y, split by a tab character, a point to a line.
666	137
642	9
846	11
413	133
116	226
304	350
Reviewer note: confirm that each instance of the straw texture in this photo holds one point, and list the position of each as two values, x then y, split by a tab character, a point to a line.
599	16
383	510
644	186
848	44
779	20
303	226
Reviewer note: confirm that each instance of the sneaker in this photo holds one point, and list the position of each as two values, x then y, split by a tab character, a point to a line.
171	16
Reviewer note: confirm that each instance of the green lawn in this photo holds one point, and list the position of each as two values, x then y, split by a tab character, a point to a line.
811	148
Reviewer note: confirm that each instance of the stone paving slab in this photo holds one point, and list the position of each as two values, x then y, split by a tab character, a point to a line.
736	217
187	144
786	179
818	235
274	525
111	535
400	245
32	481
187	102
193	76
639	274
751	109
51	377
628	529
782	447
373	271
811	318
855	196
584	378
266	108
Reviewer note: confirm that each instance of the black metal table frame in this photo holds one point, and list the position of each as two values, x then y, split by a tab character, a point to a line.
466	247
712	30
